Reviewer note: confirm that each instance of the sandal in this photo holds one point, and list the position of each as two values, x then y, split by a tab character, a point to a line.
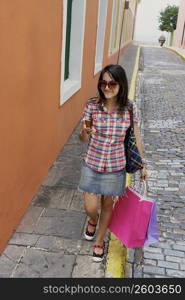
96	256
88	234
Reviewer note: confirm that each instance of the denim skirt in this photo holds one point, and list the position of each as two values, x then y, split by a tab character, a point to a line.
107	183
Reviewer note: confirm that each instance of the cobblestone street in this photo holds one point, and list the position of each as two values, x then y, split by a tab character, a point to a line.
160	94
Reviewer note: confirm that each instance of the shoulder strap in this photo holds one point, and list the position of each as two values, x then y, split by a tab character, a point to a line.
130	109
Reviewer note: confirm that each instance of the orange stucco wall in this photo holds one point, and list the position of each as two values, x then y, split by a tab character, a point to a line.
33	126
29	81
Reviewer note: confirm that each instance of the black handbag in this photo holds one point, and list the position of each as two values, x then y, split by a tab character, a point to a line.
133	158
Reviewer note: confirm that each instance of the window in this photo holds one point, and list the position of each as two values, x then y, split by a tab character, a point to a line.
113	26
102	15
72	47
116	23
68	38
183	35
123	22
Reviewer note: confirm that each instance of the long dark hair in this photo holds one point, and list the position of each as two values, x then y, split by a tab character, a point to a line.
117	73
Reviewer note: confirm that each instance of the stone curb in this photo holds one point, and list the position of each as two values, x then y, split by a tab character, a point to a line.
177	51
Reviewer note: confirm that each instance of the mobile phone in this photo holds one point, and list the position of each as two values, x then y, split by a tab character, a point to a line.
88	123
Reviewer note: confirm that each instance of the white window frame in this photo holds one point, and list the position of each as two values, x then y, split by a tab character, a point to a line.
73	83
121	15
113	25
100	37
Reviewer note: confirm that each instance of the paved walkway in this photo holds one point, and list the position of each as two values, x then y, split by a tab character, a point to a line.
161	96
49	240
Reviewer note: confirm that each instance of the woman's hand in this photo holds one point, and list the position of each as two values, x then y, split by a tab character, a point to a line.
86	132
143	174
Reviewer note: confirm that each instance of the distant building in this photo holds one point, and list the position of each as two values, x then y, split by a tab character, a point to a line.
179	38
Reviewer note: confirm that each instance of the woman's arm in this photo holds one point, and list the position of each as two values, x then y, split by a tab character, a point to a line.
138	140
85	133
86	116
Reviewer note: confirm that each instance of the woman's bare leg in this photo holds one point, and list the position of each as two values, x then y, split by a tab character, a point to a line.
106	213
91	208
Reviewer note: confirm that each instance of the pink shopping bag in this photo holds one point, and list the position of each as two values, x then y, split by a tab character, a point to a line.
130	218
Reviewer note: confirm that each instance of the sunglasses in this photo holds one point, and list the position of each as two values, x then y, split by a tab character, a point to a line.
111	84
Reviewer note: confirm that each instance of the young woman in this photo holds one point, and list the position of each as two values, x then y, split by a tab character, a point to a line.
104	123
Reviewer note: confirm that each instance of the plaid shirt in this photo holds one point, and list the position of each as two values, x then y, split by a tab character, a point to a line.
105	150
